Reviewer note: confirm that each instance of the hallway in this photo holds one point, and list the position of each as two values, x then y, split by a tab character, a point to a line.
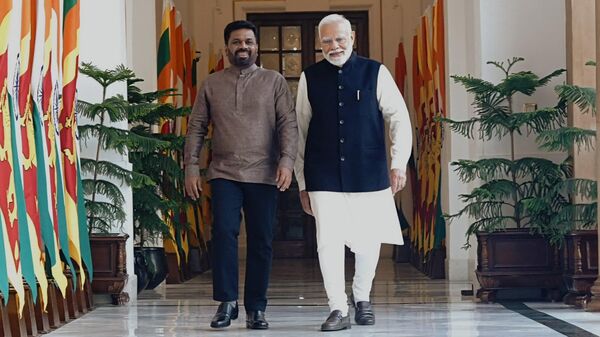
406	303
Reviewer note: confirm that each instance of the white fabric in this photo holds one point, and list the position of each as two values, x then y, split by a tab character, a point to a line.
361	221
394	112
356	219
331	261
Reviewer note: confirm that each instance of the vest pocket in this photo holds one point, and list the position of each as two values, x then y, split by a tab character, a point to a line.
364	100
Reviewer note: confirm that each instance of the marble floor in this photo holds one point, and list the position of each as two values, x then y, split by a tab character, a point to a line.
406	304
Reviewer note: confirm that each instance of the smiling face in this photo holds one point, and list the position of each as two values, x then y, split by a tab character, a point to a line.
242	48
336	43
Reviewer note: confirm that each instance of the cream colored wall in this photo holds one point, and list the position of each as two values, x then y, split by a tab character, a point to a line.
581	47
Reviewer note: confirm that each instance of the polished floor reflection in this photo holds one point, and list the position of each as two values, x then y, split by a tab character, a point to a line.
406	303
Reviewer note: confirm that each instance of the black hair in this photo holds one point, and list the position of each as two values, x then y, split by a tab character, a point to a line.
235	25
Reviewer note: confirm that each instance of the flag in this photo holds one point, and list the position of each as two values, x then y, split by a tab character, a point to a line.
56	72
10	262
43	125
439	53
179	72
165	67
401	69
47	106
429	103
164	63
68	129
25	108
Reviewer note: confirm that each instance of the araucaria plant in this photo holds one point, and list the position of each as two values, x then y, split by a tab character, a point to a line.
515	192
104	200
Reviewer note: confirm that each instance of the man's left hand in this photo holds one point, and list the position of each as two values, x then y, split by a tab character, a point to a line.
284	178
398	180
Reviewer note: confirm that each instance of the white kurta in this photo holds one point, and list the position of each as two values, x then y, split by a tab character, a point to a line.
357	219
360	219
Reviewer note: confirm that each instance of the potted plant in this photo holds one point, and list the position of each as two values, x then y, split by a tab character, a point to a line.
104	201
513	249
573	200
154	204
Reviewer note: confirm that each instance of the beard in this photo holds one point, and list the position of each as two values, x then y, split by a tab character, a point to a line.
242	61
340	60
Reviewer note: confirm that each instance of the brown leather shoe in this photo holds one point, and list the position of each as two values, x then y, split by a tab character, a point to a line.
336	322
225	313
256	320
364	314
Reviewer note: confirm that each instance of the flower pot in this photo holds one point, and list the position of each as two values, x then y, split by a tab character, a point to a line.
156	261
141	269
580	266
517	259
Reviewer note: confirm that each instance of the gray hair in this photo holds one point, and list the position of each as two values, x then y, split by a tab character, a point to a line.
335	19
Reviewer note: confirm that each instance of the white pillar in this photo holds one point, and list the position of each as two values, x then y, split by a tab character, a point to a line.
102	41
141	41
463	57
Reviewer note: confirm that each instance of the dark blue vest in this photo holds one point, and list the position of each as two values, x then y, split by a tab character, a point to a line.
345	146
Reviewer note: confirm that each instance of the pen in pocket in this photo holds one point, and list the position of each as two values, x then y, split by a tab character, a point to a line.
358	95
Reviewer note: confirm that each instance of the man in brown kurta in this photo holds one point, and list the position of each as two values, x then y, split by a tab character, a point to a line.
254	146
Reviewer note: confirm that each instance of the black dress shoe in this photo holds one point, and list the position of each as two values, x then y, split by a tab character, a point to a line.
256	320
225	313
336	322
364	314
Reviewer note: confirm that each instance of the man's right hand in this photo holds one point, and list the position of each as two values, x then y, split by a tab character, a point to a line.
193	186
305	201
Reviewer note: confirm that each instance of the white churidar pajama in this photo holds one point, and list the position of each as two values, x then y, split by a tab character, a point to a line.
364	220
361	221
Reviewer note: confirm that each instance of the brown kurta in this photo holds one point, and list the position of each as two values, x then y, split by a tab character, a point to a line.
254	123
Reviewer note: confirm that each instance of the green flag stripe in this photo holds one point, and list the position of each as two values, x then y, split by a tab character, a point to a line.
24	242
63	235
3	268
46	221
84	238
67	5
164	51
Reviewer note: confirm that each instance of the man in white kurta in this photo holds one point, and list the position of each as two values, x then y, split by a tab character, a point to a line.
341	106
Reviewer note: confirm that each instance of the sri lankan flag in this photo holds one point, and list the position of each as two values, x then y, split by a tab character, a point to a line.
165	78
62	230
164	60
45	136
68	128
28	147
10	257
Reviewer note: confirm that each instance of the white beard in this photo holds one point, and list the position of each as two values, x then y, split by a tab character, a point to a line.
339	61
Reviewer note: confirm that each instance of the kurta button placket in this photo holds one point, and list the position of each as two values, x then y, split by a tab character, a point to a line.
239	89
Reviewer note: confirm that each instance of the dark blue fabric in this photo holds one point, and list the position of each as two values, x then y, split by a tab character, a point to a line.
259	203
345	146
